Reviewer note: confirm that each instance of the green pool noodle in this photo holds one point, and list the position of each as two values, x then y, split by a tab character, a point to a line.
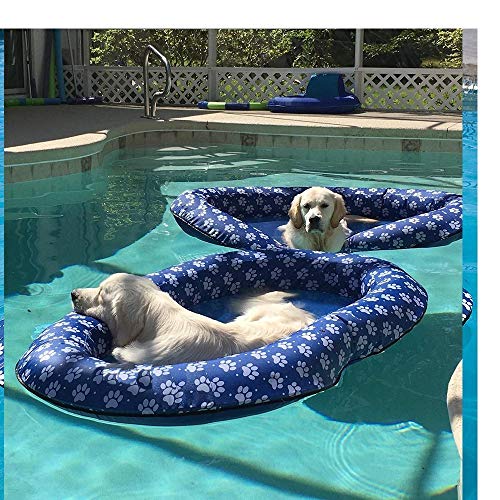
258	105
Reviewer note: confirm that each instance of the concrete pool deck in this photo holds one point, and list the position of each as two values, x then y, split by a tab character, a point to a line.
38	134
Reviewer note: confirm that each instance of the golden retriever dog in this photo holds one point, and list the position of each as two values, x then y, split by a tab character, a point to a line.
148	326
316	221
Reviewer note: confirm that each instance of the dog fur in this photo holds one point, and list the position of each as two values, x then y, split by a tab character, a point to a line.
316	221
148	326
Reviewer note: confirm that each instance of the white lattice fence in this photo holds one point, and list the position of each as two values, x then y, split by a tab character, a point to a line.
124	85
413	89
387	88
262	84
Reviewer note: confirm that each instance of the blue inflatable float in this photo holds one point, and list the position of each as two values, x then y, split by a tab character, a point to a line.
248	217
68	364
467	304
325	93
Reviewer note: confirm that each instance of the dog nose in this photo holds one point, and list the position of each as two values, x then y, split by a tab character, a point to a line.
314	220
74	295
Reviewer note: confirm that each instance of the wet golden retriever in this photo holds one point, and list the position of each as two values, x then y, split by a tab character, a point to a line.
148	326
316	221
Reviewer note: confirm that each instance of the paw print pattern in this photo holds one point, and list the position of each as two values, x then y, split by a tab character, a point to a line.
112	399
148	407
80	392
420	216
244	395
388	302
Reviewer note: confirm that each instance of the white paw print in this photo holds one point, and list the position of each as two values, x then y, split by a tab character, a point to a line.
293	389
202	384
47	355
280	359
52	389
172	392
285	345
250	371
227	365
73	374
305	350
325	361
302	369
80	393
195	367
275	380
217	386
112	399
47	372
148	406
207	405
327	342
318	380
243	395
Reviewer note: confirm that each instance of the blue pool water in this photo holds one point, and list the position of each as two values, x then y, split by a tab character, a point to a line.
383	432
470	283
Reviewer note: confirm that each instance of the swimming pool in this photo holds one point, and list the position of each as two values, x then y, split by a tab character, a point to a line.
383	432
470	283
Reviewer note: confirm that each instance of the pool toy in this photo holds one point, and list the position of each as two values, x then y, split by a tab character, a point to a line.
325	93
68	365
34	101
467	303
234	106
248	217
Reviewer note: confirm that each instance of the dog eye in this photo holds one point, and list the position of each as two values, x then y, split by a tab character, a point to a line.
307	206
324	205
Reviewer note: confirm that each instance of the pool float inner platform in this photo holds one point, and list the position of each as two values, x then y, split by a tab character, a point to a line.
248	217
325	93
363	305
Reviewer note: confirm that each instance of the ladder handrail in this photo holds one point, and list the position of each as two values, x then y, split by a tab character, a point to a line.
151	113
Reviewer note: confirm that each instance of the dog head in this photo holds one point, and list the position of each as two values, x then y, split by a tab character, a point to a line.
120	301
317	208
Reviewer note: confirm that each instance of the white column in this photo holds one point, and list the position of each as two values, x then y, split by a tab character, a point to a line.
86	62
358	65
212	66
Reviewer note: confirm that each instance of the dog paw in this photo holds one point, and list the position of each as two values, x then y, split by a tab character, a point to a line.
118	354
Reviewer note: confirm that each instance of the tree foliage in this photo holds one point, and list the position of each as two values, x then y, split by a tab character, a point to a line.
282	47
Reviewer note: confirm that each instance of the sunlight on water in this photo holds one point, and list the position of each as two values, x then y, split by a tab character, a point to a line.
383	432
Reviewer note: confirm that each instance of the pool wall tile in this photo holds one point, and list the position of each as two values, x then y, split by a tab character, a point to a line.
22	173
302	147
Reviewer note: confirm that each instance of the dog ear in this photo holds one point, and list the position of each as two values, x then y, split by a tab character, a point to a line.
340	211
295	214
128	315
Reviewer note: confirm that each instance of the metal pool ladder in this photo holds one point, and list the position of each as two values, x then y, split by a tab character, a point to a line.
150	111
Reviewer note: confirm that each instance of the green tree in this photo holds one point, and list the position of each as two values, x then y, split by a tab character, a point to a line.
283	47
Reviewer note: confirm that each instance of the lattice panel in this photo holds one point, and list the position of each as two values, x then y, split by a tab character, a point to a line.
427	90
262	84
124	85
69	82
392	89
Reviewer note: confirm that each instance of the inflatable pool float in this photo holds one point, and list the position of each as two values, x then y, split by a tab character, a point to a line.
325	93
69	366
248	217
467	303
232	106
